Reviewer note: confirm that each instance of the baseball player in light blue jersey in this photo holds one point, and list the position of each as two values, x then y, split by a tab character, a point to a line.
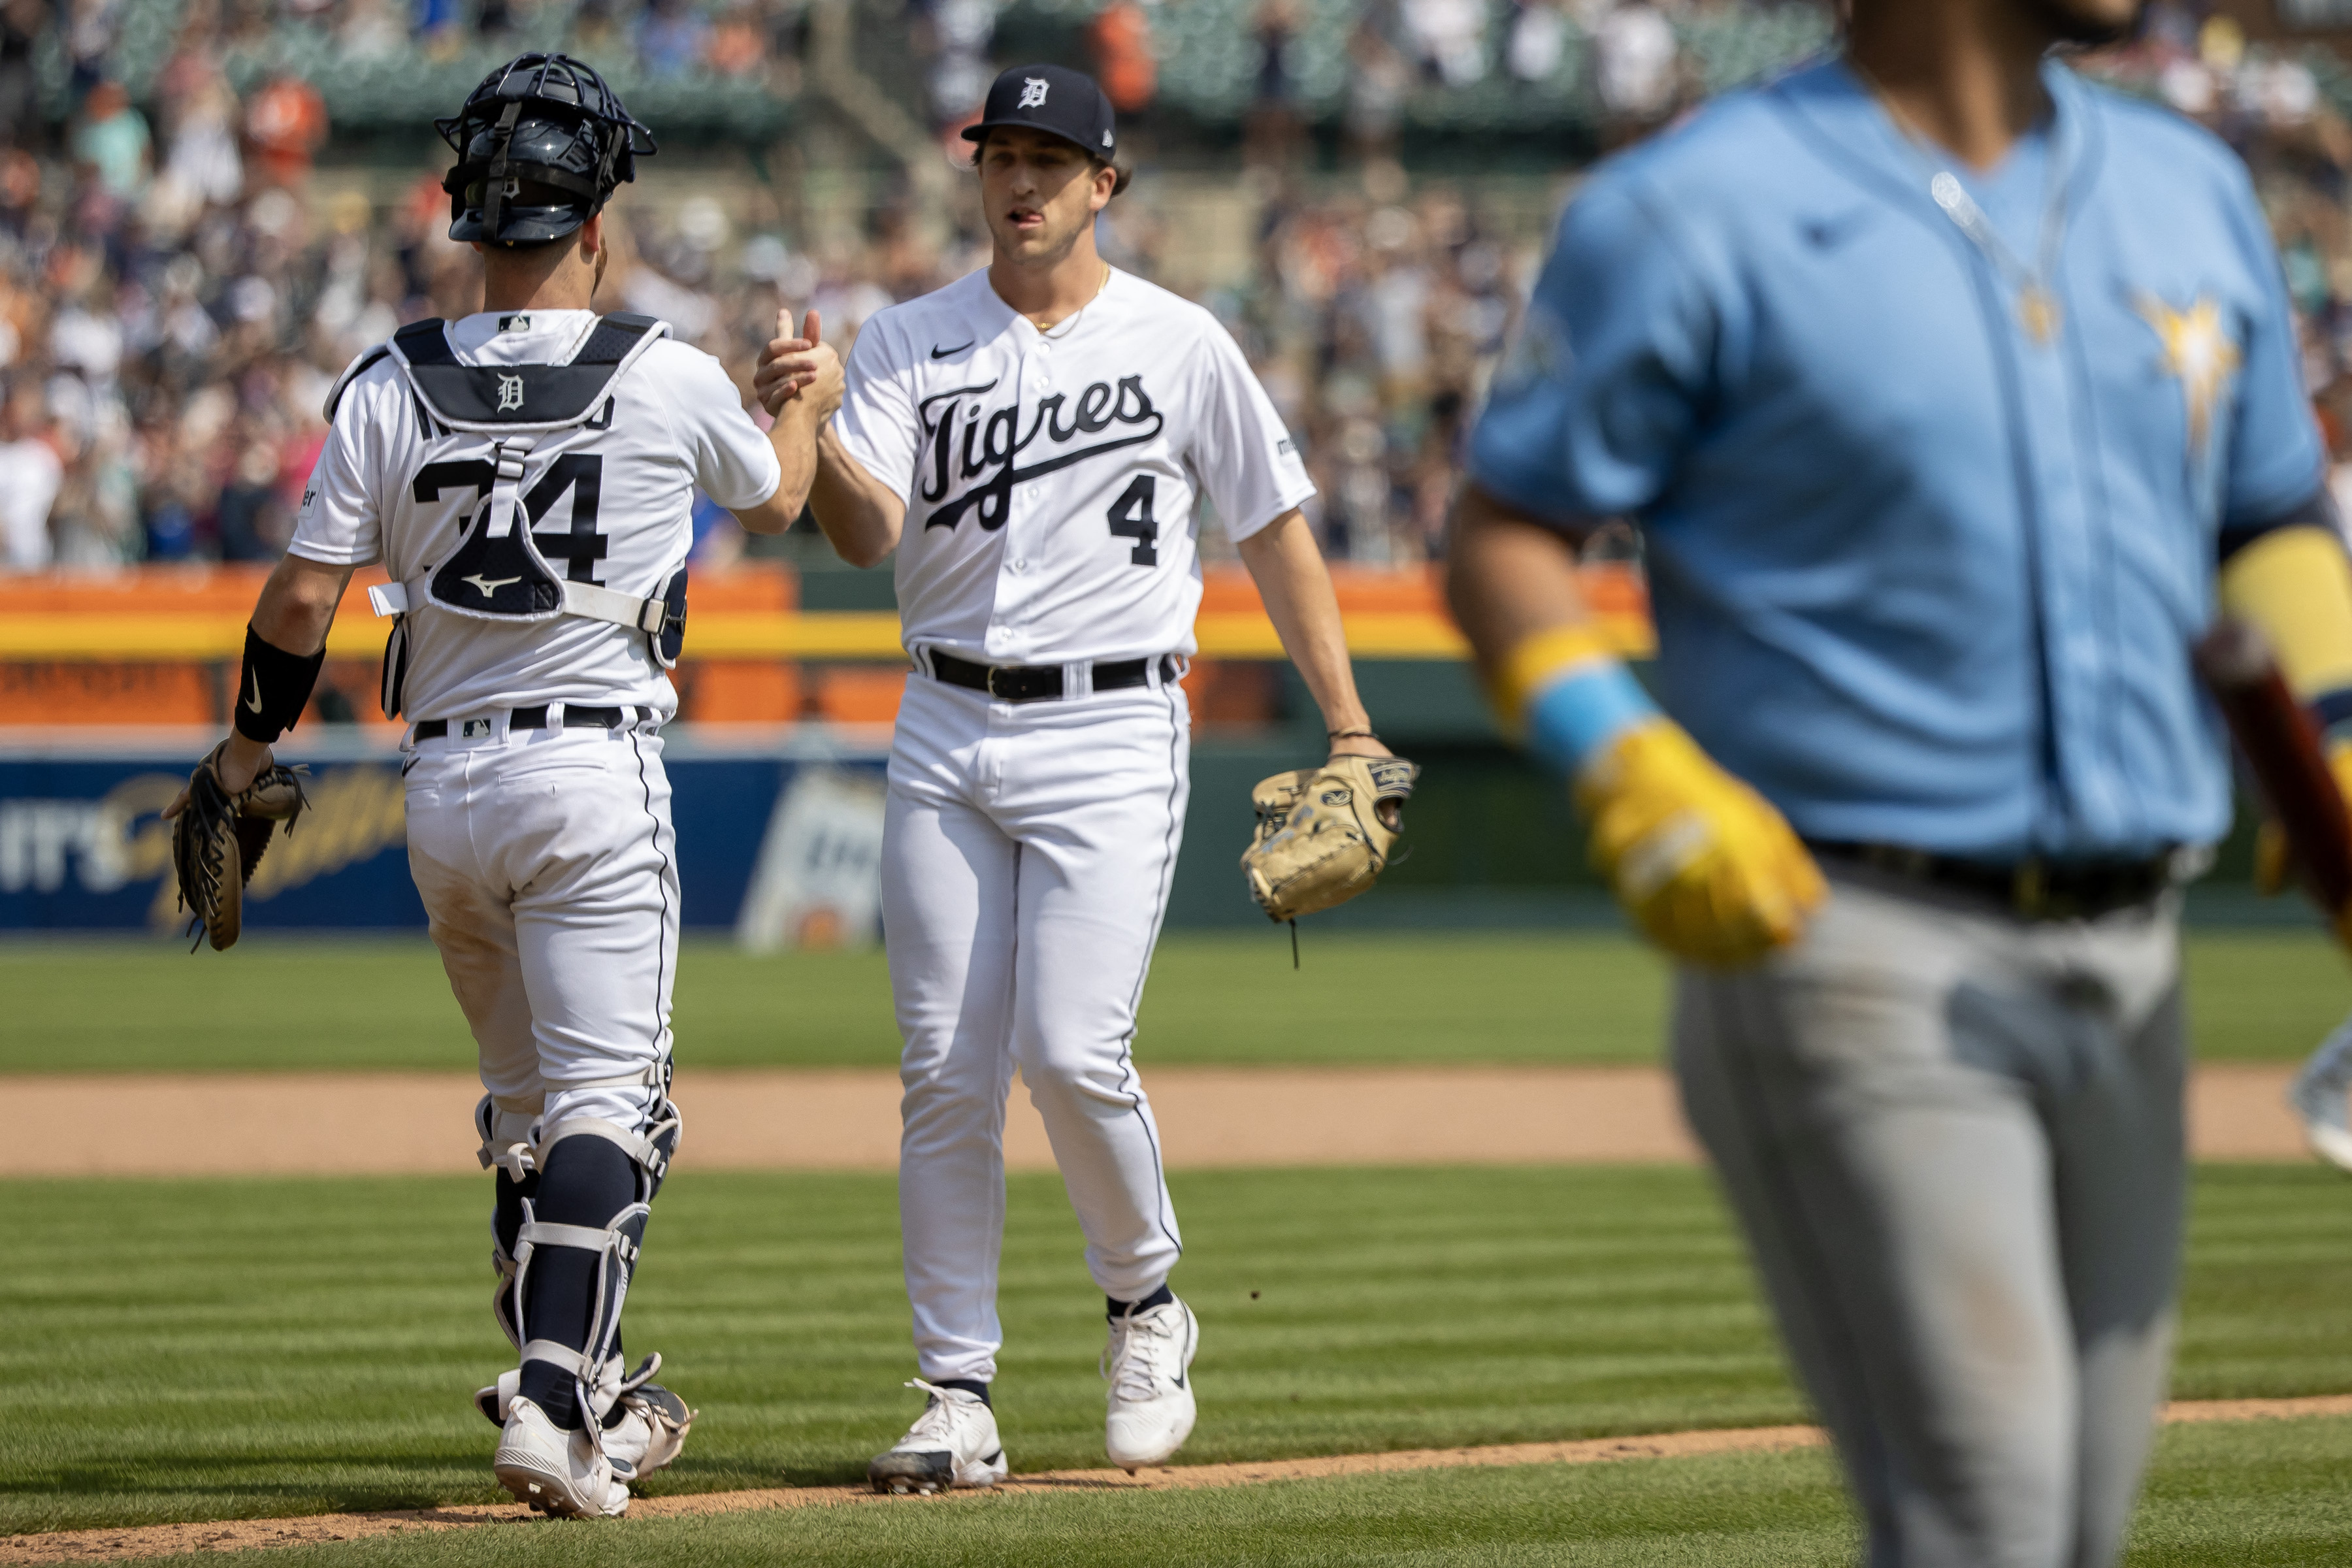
1950	392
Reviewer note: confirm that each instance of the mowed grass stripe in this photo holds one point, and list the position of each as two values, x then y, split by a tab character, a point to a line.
276	1002
2265	1494
204	1350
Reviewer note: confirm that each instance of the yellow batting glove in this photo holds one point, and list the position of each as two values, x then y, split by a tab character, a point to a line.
1703	863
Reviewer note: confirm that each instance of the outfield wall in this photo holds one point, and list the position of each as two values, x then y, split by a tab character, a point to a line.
784	827
777	831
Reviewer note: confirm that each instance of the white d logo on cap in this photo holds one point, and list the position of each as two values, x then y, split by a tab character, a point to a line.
1033	92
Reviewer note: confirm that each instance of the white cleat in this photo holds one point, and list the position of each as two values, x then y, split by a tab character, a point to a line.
650	1433
1150	1363
2327	1122
556	1471
2326	1119
952	1444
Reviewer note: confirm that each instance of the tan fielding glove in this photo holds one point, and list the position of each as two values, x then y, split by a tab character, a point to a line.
218	838
1324	833
1703	863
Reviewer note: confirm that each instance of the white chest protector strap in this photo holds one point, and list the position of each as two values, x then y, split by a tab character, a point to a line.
651	615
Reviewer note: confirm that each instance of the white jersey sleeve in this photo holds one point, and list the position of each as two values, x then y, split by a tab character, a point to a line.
878	423
732	462
1248	466
341	522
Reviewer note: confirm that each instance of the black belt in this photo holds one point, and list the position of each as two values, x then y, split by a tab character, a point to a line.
2034	888
574	718
1042	682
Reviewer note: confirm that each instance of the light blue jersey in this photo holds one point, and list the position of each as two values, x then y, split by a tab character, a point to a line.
1918	577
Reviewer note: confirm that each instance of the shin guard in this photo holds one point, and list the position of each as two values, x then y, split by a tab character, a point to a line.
570	1345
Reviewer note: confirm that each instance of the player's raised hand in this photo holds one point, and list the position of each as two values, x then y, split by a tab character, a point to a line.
792	367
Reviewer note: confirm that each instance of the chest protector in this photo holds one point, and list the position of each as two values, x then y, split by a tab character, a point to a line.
497	573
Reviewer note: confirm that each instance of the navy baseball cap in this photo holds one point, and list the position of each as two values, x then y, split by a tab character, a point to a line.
1053	99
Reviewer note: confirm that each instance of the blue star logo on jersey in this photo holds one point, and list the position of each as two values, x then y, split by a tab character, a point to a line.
2199	352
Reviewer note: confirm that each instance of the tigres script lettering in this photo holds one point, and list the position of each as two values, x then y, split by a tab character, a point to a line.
990	442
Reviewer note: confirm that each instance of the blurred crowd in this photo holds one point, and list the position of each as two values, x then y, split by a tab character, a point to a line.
1639	73
1373	319
179	285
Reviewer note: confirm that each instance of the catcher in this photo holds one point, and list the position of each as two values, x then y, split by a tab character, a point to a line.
526	475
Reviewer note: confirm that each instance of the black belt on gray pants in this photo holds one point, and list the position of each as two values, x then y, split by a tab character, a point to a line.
2034	888
574	718
1042	682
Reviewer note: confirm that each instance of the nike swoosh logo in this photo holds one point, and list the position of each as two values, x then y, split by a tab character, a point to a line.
253	703
938	352
488	586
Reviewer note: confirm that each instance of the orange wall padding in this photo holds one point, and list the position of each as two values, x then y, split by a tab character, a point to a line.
712	690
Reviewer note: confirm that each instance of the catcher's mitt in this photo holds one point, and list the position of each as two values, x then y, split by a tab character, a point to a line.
1324	833
218	838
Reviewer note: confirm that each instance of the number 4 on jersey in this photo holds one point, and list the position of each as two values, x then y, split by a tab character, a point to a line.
1131	518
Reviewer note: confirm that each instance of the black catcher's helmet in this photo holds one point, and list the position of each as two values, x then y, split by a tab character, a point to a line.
541	145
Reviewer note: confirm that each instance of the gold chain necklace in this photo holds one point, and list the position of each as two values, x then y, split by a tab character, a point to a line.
2037	302
1061	329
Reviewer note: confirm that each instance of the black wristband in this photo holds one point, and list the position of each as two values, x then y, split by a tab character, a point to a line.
274	689
1350	735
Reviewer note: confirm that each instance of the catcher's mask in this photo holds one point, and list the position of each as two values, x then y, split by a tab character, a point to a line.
541	144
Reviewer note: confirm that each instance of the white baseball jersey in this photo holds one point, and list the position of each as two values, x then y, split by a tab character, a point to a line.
1051	477
609	502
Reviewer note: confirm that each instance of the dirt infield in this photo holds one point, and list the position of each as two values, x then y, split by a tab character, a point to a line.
281	1123
239	1535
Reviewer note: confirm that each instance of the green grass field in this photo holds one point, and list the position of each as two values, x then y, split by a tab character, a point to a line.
216	1349
279	1003
2269	1496
196	1350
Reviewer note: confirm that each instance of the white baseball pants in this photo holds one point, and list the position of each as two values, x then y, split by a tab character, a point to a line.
549	870
1026	854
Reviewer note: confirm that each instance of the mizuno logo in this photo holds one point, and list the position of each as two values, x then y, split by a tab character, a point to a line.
509	393
938	352
253	703
488	586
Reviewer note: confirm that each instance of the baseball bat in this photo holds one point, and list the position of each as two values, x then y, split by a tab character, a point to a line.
2282	748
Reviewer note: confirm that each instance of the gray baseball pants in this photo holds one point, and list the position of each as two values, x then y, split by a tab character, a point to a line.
1953	1138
